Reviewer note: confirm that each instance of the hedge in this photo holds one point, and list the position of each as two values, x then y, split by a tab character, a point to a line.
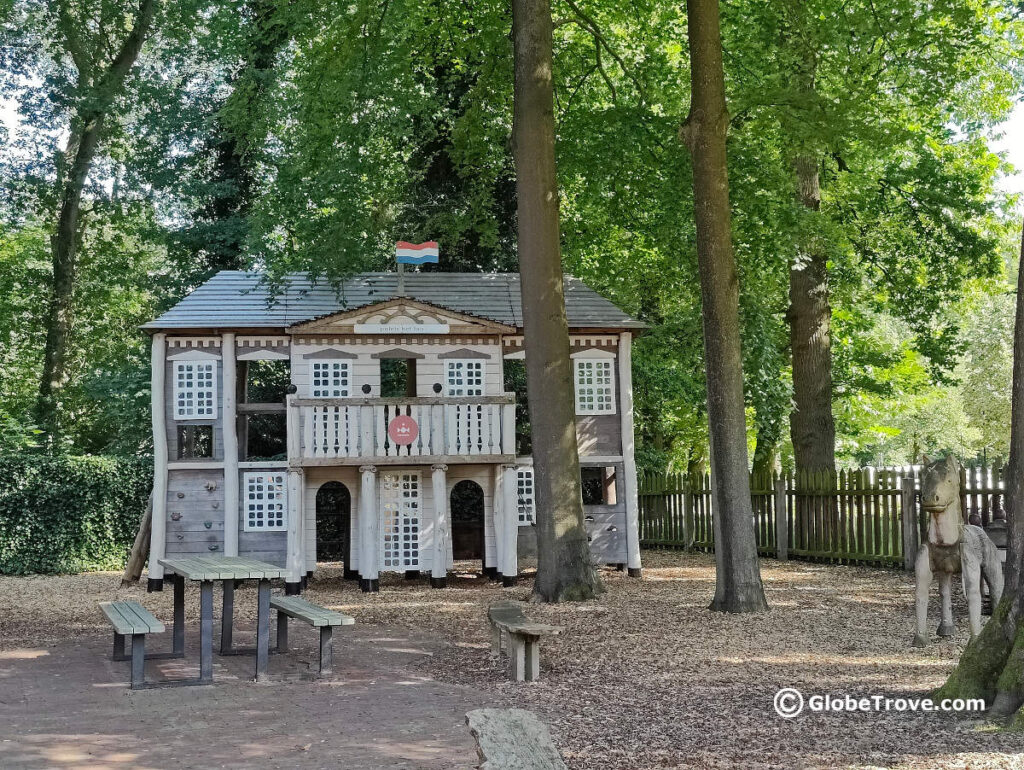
70	513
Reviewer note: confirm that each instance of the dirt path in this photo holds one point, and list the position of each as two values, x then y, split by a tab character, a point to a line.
646	677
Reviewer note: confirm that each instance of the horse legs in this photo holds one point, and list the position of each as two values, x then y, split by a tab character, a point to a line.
946	592
970	564
923	575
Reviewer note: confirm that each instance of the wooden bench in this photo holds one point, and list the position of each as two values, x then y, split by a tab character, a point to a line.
318	617
131	619
523	636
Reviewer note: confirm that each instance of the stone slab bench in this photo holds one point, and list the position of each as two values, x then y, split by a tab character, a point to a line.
510	739
523	635
318	617
131	620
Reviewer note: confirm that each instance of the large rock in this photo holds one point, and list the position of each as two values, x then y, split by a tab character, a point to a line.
513	739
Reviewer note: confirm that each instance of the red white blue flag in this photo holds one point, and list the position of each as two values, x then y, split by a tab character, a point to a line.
416	253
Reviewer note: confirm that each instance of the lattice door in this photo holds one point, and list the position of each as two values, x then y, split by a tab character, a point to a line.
400	521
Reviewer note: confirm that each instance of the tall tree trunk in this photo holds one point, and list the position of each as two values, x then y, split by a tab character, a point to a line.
86	129
738	586
992	665
64	252
564	569
812	427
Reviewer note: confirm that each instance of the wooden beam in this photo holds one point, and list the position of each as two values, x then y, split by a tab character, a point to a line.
229	426
628	455
158	529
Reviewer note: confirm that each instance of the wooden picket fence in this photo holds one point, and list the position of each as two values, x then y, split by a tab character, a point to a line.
862	515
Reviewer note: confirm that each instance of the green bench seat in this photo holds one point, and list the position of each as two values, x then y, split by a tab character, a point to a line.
131	619
316	616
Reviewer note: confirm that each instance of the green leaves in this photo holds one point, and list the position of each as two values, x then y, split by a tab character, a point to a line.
69	514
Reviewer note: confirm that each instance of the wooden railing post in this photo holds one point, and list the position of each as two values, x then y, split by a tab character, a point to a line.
781	520
908	519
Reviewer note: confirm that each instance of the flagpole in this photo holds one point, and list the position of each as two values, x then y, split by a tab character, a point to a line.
401	280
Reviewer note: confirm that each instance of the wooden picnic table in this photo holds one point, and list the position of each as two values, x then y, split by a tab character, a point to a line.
226	569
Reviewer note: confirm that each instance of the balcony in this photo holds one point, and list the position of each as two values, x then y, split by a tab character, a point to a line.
352	431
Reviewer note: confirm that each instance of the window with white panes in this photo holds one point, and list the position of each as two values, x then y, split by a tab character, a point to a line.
265	502
195	390
465	377
595	385
400	521
524	495
330	378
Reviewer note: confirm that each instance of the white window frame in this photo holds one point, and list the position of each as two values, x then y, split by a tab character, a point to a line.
193	411
594	390
329	390
526	505
462	387
401	521
263	493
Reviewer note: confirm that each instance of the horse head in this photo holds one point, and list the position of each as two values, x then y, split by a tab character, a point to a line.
940	486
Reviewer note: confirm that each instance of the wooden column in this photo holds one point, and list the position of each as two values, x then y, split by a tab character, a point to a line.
229	426
296	562
908	520
628	455
368	570
158	532
439	569
781	520
497	519
509	564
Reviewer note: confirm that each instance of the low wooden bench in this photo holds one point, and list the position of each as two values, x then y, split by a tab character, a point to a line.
523	636
318	617
131	619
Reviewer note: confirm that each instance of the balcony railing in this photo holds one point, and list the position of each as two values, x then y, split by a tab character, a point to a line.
337	428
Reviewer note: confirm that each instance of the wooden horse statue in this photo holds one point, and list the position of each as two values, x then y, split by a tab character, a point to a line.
952	547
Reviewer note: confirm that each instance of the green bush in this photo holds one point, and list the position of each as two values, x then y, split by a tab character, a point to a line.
68	513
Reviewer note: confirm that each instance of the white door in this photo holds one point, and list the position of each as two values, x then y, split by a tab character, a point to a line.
400	521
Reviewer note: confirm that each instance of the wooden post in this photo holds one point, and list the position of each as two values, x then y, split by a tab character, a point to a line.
781	520
908	520
158	529
439	568
296	561
508	429
628	455
509	565
368	571
497	517
229	427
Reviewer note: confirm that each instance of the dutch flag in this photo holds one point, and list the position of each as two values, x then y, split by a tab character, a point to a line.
416	253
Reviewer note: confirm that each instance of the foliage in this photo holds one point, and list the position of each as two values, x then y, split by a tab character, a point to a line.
66	513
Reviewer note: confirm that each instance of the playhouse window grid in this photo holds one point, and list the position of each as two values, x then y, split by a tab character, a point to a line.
400	522
524	494
195	390
265	502
465	377
595	386
331	379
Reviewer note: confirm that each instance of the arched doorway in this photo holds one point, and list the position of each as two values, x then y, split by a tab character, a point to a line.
334	525
467	510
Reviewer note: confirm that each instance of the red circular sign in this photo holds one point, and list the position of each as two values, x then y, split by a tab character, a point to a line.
403	430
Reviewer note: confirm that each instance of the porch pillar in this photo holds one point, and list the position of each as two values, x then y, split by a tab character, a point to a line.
628	456
439	570
296	563
229	423
368	547
158	530
509	564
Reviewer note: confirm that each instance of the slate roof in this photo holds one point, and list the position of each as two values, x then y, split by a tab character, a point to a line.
235	298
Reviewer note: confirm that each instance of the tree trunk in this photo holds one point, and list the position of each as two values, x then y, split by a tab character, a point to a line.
766	447
992	665
64	252
738	586
812	427
564	568
86	129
